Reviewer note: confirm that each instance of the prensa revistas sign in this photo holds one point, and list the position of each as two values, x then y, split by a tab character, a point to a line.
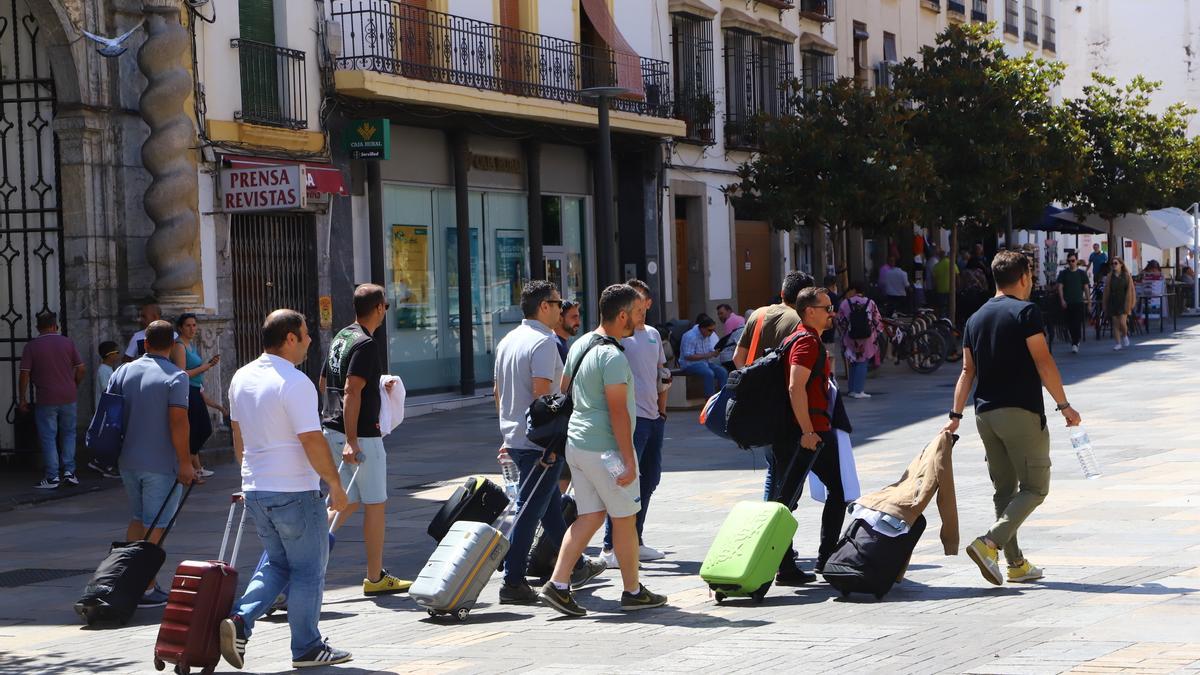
263	188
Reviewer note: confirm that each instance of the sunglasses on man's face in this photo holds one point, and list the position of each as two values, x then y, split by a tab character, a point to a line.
827	308
559	303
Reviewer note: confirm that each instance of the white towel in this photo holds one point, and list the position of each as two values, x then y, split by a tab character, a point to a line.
391	408
850	486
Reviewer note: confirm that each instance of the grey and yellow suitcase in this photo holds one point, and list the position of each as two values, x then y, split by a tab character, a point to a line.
459	568
461	565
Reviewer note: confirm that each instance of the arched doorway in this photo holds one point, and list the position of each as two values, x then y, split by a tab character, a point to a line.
32	276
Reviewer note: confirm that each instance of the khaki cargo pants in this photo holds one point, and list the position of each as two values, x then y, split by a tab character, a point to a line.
1017	444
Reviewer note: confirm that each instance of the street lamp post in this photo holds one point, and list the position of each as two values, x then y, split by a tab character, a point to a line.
604	187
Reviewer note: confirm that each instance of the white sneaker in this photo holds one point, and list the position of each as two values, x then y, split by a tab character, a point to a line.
1125	340
609	558
1074	349
1117	347
646	553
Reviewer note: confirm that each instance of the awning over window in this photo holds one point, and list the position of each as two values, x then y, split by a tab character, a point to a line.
628	63
322	176
811	42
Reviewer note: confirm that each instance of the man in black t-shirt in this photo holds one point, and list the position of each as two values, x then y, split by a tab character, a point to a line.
1006	357
350	421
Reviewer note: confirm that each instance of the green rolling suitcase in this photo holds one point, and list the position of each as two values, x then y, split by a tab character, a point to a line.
745	556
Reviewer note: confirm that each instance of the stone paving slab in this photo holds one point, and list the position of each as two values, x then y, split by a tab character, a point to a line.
1122	555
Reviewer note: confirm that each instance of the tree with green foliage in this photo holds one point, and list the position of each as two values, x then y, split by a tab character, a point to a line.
1138	160
987	124
843	157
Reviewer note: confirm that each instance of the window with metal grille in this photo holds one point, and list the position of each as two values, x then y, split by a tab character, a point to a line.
1048	28
889	46
816	70
1011	18
1031	23
692	52
757	71
979	10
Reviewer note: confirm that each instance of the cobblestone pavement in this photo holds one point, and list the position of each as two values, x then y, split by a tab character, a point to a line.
1122	556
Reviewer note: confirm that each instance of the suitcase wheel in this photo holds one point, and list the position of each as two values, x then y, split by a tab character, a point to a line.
182	670
159	665
720	598
761	594
462	613
879	596
845	594
432	614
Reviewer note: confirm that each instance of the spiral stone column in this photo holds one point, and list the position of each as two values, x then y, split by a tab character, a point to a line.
169	156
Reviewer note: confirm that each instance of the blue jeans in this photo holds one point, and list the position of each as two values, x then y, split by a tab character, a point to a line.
293	530
858	376
544	505
647	444
713	375
56	431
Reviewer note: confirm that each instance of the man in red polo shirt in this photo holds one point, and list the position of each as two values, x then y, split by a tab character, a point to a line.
808	382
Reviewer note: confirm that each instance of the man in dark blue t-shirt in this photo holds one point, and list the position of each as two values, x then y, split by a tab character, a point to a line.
1097	260
1006	358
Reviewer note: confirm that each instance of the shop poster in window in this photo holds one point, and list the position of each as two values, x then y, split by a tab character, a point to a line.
410	275
452	275
510	271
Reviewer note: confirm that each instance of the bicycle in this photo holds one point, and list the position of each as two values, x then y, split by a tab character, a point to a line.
924	350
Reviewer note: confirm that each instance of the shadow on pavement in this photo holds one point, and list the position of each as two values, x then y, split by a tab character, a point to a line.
51	663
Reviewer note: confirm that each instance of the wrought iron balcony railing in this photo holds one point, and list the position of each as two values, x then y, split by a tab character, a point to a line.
819	10
386	36
274	85
956	6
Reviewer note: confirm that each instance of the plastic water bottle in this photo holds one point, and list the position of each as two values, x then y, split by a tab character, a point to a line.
511	474
1083	452
612	461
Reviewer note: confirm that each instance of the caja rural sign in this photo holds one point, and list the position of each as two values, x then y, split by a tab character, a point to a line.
264	188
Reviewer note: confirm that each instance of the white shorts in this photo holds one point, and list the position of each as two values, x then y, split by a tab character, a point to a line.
595	488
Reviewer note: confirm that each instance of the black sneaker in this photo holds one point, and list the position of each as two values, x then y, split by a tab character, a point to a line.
518	595
322	655
590	570
563	601
233	641
794	576
47	484
70	479
156	597
643	599
104	470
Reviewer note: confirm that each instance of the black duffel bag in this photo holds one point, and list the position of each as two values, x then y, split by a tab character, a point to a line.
113	592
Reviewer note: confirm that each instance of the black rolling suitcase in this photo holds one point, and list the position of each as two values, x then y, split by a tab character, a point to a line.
866	561
478	500
121	579
544	553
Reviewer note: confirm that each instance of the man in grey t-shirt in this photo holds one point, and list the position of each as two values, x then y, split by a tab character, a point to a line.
645	353
527	367
156	450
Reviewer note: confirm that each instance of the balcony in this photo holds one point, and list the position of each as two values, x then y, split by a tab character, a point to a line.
274	85
932	5
388	38
979	10
1048	34
816	10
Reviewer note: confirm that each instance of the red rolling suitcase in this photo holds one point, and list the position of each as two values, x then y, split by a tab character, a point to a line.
201	596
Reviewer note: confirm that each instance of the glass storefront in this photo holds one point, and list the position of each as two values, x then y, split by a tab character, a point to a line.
421	269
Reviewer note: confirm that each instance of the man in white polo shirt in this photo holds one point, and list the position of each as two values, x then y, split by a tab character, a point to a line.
278	442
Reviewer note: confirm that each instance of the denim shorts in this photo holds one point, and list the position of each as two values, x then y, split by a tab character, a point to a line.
370	487
147	492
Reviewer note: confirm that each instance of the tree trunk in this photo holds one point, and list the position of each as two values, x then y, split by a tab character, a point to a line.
1010	237
953	254
1113	251
819	240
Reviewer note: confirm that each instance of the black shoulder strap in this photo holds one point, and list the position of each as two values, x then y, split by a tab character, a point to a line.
820	369
595	342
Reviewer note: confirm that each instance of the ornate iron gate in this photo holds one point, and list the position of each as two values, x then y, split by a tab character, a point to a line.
274	267
32	277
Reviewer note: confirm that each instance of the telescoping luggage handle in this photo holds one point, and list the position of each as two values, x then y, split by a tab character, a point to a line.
353	477
528	494
175	515
237	540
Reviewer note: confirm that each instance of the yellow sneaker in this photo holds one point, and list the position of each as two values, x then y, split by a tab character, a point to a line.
988	560
1026	571
387	585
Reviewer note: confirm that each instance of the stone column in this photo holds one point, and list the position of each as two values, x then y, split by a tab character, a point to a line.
169	156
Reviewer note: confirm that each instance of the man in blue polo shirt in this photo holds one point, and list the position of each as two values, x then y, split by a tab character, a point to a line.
155	453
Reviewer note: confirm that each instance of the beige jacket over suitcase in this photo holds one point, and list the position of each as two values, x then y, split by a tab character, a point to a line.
930	473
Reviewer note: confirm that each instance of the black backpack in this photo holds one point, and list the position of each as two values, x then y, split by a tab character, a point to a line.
549	415
760	410
860	321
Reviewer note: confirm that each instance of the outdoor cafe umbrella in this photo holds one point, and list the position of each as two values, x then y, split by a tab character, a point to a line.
1066	224
1162	228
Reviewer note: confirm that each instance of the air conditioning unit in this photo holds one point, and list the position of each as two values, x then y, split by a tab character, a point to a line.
883	74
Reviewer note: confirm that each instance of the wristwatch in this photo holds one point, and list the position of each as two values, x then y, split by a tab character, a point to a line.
955	416
1062	406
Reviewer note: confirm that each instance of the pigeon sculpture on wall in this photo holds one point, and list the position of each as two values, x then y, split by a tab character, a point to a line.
111	47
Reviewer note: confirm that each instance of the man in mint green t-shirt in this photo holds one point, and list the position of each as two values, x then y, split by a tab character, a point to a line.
600	452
